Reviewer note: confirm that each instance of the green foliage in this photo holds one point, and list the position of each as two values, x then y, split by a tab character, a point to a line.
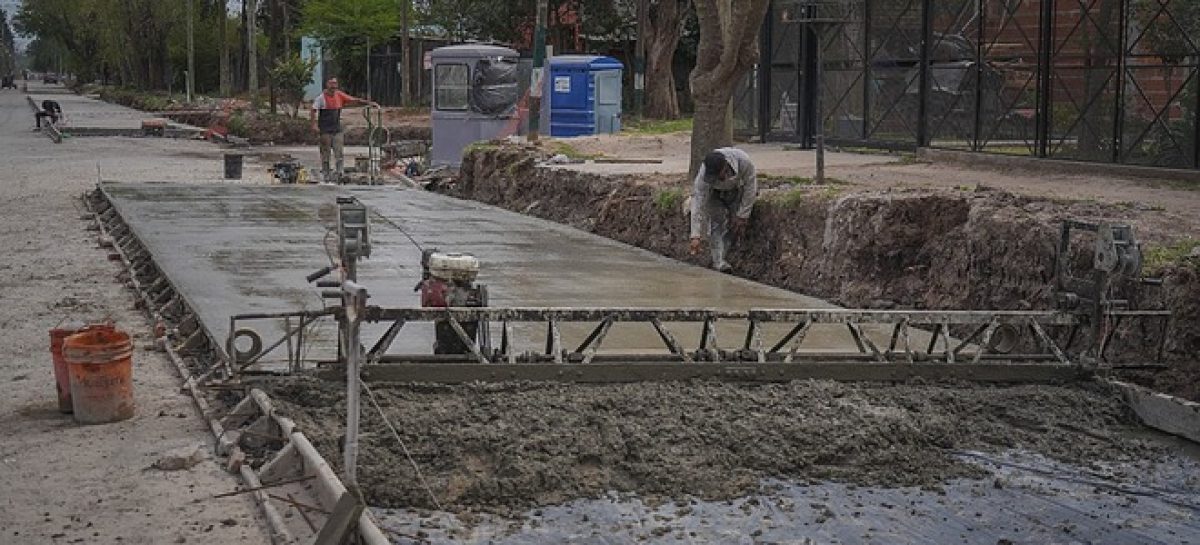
658	126
350	24
1156	258
290	75
140	100
237	125
668	200
796	196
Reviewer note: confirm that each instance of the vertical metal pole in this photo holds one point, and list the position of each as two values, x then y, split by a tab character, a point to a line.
1045	56
539	61
804	79
981	21
191	47
354	296
866	67
405	55
819	135
639	58
1119	95
1196	135
923	92
764	73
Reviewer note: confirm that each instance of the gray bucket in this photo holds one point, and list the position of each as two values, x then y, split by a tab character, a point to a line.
233	166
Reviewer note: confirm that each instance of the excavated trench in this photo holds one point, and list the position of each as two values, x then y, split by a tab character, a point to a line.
508	448
903	249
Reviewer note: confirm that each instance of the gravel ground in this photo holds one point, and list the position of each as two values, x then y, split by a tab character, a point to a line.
61	482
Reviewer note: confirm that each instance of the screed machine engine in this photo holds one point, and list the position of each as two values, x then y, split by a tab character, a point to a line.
448	280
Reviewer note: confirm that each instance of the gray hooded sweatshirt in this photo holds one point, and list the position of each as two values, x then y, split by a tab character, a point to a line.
742	187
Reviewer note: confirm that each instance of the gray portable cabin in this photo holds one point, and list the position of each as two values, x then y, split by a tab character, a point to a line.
475	93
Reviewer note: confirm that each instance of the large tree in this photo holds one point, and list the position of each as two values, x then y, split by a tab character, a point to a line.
728	50
664	27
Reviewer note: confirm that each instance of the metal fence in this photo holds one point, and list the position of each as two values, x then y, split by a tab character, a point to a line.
1093	80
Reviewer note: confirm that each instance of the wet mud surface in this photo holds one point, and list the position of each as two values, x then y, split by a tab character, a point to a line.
507	448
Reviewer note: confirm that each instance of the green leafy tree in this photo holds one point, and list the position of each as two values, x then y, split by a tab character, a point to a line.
289	76
348	28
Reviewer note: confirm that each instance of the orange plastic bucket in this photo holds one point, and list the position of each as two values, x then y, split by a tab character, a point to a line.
62	374
100	364
62	377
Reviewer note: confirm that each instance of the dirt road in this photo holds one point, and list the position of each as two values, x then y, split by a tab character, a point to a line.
62	482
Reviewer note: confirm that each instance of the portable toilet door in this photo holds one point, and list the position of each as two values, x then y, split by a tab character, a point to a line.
608	101
572	97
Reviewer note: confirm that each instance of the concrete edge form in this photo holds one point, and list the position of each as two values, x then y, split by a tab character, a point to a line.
164	306
1055	166
1163	412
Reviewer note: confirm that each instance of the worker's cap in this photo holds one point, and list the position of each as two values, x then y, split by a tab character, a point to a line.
715	164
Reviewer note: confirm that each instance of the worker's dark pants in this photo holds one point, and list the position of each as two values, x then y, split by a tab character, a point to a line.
38	118
722	206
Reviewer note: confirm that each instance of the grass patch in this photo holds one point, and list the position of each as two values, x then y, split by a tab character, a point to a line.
772	180
1156	258
797	195
658	126
558	146
667	200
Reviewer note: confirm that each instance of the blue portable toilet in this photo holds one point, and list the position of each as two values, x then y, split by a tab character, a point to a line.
585	95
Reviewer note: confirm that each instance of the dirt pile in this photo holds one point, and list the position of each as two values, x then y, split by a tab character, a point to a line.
972	248
508	447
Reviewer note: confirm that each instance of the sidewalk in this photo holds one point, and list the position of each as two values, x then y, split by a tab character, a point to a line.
62	482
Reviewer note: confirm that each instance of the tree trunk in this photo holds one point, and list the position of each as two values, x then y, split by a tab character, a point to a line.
252	50
662	33
223	13
728	50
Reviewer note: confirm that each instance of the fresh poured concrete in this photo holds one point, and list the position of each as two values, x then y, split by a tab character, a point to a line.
236	249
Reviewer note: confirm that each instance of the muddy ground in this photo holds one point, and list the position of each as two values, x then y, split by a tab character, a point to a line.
860	246
508	447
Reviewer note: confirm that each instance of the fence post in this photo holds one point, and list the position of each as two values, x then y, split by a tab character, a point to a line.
923	93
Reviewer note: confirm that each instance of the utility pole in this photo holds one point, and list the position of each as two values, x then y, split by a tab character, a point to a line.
539	61
639	58
405	55
191	45
252	50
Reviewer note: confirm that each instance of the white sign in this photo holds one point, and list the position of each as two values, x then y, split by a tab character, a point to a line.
562	84
535	87
427	60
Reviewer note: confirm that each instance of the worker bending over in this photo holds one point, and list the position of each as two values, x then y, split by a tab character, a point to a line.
723	194
50	109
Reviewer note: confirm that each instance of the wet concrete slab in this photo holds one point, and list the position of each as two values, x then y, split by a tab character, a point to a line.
238	249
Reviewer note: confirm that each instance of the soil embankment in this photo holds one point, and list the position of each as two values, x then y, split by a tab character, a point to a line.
969	248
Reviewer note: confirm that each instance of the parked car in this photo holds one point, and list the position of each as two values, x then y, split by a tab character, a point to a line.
50	78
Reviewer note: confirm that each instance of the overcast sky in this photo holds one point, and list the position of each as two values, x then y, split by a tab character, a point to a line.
10	7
